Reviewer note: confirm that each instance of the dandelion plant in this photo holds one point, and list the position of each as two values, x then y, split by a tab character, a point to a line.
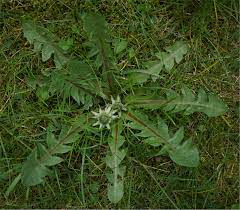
110	102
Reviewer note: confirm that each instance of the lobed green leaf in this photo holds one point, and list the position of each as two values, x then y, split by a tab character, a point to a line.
181	152
36	166
187	103
33	171
43	41
174	53
113	161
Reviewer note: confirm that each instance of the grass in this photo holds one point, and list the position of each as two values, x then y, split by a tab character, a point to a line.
212	29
